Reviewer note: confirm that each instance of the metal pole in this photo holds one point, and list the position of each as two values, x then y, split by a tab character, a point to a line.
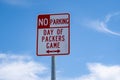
53	68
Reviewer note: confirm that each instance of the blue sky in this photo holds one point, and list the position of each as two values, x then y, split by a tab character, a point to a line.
95	40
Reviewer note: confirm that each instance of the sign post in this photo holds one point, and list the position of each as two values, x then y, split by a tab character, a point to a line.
53	68
53	36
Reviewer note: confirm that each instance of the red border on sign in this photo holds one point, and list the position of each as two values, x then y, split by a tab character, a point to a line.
46	54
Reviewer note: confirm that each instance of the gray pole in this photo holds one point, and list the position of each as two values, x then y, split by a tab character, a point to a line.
53	68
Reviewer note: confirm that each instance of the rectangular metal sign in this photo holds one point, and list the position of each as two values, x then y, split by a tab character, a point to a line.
53	34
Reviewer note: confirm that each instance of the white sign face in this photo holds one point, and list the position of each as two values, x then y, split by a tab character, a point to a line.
53	34
59	20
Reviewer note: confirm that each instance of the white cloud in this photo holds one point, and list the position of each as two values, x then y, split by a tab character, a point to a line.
23	67
102	26
17	67
102	72
99	71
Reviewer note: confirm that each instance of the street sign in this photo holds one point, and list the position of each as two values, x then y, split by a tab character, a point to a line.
53	34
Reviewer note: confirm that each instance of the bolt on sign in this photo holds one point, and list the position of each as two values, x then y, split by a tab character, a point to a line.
53	34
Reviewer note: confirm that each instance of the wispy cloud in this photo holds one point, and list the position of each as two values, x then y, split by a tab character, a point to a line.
102	25
18	2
